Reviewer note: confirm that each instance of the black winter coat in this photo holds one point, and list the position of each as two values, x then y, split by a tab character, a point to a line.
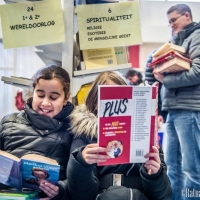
28	132
84	179
149	77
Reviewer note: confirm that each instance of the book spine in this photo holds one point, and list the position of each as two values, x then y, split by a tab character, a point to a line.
175	65
154	124
162	59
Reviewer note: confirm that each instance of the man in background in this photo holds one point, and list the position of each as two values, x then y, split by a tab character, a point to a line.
181	98
149	77
134	77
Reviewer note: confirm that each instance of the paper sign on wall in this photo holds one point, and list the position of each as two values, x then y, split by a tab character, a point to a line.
109	25
32	23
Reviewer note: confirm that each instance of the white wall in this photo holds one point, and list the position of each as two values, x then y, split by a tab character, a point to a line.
154	21
21	62
154	24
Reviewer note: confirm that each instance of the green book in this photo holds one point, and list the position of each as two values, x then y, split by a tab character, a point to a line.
15	194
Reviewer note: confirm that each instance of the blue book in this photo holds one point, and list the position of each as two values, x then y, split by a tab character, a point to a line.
28	172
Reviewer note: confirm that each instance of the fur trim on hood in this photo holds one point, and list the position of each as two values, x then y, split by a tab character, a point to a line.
83	122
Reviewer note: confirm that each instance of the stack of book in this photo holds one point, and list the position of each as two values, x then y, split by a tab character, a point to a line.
170	58
9	194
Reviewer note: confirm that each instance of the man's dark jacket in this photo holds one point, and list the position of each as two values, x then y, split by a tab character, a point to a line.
182	90
149	77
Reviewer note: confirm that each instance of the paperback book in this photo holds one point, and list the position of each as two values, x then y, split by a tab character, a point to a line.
127	117
171	62
9	194
95	58
27	172
166	47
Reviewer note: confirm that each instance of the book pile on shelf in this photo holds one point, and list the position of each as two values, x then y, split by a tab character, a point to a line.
9	194
170	58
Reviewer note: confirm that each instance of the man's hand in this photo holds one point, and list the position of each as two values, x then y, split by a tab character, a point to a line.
158	76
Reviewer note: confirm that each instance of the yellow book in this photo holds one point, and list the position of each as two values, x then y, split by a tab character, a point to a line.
167	47
174	65
121	55
95	58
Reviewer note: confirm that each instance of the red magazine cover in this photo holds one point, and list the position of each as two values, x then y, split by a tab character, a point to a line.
127	122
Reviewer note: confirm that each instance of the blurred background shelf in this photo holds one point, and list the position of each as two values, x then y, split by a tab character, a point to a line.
23	83
102	69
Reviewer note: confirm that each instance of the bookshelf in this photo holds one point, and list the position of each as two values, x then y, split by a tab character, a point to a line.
65	55
101	69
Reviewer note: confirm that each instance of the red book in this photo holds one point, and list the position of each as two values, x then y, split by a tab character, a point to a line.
169	56
127	122
171	62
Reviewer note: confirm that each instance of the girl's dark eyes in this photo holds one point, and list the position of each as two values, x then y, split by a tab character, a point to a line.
52	98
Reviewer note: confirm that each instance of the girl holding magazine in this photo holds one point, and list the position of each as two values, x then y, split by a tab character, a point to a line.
88	181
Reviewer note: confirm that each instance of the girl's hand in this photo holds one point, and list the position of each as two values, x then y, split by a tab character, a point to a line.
91	154
49	189
153	165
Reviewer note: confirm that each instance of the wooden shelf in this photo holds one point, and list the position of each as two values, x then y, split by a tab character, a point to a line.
17	81
102	69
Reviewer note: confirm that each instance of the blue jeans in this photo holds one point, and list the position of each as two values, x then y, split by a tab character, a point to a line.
183	151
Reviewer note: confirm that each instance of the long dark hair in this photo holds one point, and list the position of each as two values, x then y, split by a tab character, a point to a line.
50	72
92	97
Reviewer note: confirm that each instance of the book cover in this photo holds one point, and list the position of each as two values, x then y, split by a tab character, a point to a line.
166	47
95	58
168	56
9	170
15	194
127	122
34	173
13	198
121	55
28	171
173	65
